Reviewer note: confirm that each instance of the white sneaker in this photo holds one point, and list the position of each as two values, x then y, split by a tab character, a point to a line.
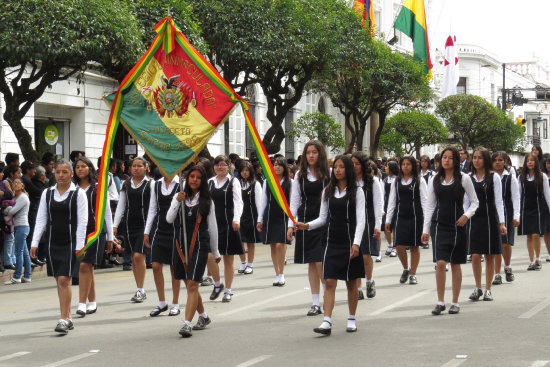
548	258
393	252
12	281
242	268
25	280
248	270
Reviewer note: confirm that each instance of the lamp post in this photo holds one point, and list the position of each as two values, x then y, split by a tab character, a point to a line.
503	102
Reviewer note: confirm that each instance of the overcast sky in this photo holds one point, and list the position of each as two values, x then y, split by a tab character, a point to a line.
512	29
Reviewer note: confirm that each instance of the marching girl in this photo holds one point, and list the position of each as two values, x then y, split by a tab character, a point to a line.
226	195
425	171
343	209
251	194
546	170
533	192
160	237
406	202
444	218
273	221
510	196
370	245
58	207
202	236
392	170
305	203
85	178
486	226
133	206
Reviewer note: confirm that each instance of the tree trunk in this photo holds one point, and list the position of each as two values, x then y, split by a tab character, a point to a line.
24	139
274	136
417	150
381	121
351	144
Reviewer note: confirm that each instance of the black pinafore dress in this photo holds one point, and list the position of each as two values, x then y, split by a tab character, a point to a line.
387	188
197	261
94	253
409	217
508	238
61	234
229	241
275	222
310	245
163	234
532	217
449	240
341	230
369	244
483	228
249	218
137	207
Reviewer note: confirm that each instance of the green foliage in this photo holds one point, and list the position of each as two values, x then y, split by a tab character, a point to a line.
475	122
318	126
406	132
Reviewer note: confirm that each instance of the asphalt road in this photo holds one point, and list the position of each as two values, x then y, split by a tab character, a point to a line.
268	326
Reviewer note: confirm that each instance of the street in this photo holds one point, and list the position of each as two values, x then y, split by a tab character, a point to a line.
267	326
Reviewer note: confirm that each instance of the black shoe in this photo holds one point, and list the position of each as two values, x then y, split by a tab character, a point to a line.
216	292
476	294
538	264
371	289
438	309
360	295
9	267
185	331
202	323
149	266
425	246
126	267
63	327
74	281
115	262
320	330
497	280
33	265
532	267
37	262
404	276
91	310
157	310
105	265
314	311
454	309
509	275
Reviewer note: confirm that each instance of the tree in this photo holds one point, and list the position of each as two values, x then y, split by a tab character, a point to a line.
279	44
475	122
406	132
318	126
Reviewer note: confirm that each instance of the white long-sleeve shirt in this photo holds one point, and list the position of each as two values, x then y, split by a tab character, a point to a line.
153	200
257	195
499	202
431	201
265	199
359	213
392	200
546	188
237	195
175	206
108	219
81	209
377	200
20	211
296	196
121	207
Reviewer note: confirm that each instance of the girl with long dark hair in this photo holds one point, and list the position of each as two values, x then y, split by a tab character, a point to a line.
425	171
343	209
200	222
273	221
406	202
251	194
305	203
445	218
486	226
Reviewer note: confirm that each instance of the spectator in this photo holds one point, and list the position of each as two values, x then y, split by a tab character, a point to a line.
11	173
48	161
75	154
12	159
38	184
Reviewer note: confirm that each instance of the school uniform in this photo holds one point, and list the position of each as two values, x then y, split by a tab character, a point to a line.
510	197
427	174
405	209
207	237
440	216
251	195
94	253
483	228
373	217
133	206
345	221
386	186
274	219
305	203
162	235
63	219
229	207
534	205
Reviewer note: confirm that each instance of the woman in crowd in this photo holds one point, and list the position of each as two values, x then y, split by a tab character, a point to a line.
343	210
425	171
305	203
59	205
133	206
445	218
251	194
537	151
406	202
11	173
392	170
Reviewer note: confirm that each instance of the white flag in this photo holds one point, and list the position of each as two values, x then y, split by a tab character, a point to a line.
451	68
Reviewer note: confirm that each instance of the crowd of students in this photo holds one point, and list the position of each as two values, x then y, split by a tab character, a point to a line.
468	208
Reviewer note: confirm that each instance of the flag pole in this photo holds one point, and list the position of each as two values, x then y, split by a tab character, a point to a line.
183	225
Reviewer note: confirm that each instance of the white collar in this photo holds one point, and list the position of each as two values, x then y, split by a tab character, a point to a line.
72	187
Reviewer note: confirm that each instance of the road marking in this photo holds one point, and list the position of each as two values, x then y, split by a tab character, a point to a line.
246	292
399	303
253	361
255	305
539	307
69	360
379	267
454	363
539	363
14	355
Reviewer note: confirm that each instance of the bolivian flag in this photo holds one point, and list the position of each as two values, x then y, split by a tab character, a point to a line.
171	102
412	22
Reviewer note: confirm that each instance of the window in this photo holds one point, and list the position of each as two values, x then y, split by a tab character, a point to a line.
545	129
536	127
461	86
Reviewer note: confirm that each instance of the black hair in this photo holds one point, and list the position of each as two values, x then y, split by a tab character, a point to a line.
351	179
11	158
27	165
414	171
47	158
207	164
222	158
126	184
281	161
322	170
74	155
10	170
537	148
92	178
457	175
233	157
393	167
538	173
365	167
205	197
251	173
487	165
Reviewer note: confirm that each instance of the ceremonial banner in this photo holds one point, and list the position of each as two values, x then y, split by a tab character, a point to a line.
451	68
365	8
171	102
